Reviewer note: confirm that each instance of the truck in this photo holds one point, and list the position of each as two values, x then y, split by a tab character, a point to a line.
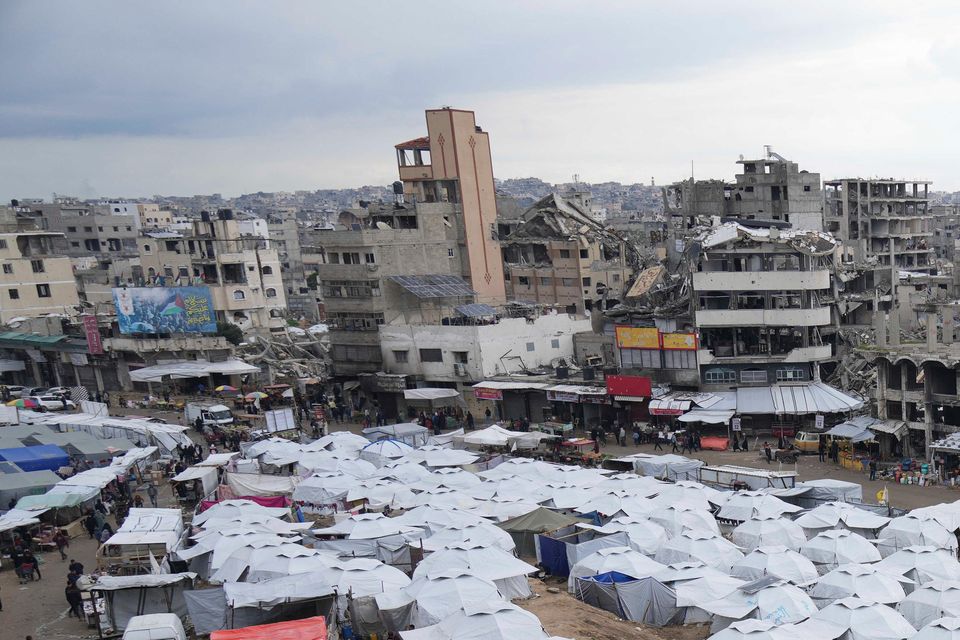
212	415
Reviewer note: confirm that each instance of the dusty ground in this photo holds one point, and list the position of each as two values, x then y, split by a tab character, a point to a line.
565	616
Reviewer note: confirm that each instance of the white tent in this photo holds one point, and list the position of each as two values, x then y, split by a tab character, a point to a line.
776	561
492	436
504	570
833	548
833	515
490	620
678	519
830	489
942	629
864	581
379	452
947	514
746	505
620	559
367	526
752	629
366	577
709	548
645	536
778	603
443	595
866	620
276	563
770	530
411	433
436	518
334	461
255	555
907	531
930	602
923	564
484	534
229	509
434	456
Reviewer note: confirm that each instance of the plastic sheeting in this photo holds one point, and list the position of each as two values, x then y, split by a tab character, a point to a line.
667	467
255	484
648	600
129	596
314	628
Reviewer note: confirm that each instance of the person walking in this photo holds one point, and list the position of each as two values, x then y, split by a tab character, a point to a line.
622	436
90	524
767	452
658	443
62	543
873	468
822	448
152	494
74	599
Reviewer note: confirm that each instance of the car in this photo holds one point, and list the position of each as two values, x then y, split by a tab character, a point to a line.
33	391
57	391
807	442
15	390
53	403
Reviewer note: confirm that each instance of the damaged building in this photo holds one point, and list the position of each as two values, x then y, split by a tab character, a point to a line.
560	255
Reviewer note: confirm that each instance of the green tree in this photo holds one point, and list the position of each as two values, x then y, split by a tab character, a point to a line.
230	331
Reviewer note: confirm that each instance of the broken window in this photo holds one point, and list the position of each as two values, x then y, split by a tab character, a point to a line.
460	357
523	281
401	357
584	254
788	374
431	355
564	253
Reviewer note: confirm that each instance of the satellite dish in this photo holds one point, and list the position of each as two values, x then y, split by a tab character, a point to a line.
383	226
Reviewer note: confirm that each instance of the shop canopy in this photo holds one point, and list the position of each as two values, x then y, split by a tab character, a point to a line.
853	432
314	628
510	386
795	399
668	407
707	416
434	396
191	369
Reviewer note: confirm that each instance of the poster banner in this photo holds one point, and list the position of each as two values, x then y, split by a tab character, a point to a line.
638	338
679	341
487	394
90	328
165	310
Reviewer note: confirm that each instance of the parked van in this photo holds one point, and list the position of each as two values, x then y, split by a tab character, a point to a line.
155	626
807	442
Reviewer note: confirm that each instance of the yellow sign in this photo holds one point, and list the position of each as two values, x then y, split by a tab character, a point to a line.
685	341
638	338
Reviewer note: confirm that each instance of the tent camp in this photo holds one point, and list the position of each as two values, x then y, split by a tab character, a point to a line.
409	433
524	529
129	596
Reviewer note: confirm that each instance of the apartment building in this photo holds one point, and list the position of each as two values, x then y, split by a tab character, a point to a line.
761	297
453	164
242	271
355	265
35	277
885	222
284	233
560	255
946	230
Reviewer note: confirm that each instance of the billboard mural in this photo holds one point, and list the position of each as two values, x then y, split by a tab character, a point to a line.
165	310
638	337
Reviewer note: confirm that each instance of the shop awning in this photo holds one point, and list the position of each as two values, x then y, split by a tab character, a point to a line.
707	416
799	399
577	393
191	369
896	428
12	365
510	386
430	393
853	432
668	407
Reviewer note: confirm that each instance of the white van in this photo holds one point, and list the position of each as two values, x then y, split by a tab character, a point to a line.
155	626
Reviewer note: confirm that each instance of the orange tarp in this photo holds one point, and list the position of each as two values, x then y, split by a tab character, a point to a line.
307	629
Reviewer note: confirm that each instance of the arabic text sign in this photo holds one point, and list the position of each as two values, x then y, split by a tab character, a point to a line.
638	338
165	310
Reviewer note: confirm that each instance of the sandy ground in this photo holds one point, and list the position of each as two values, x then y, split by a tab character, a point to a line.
563	615
39	608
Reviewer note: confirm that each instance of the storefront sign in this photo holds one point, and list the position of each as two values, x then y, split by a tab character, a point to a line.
94	343
638	337
594	399
635	386
679	341
735	424
78	359
562	396
481	393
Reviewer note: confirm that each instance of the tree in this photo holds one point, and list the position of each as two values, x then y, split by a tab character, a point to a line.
230	331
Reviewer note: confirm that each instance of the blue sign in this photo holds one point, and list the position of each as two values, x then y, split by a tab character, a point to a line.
165	310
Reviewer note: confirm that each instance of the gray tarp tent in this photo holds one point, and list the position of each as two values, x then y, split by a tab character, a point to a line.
645	600
667	466
129	596
26	483
524	529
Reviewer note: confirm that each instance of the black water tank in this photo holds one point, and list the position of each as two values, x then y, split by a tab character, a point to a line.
589	373
562	373
225	214
397	188
205	216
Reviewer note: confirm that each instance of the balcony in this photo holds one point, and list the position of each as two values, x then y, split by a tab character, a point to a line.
761	280
818	316
801	354
416	172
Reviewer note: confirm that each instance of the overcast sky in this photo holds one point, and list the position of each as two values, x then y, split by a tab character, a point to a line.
179	98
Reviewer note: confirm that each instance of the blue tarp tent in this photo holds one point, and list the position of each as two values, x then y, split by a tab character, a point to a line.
646	600
41	457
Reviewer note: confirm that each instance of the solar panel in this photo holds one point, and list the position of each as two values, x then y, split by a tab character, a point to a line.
434	286
760	584
476	310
